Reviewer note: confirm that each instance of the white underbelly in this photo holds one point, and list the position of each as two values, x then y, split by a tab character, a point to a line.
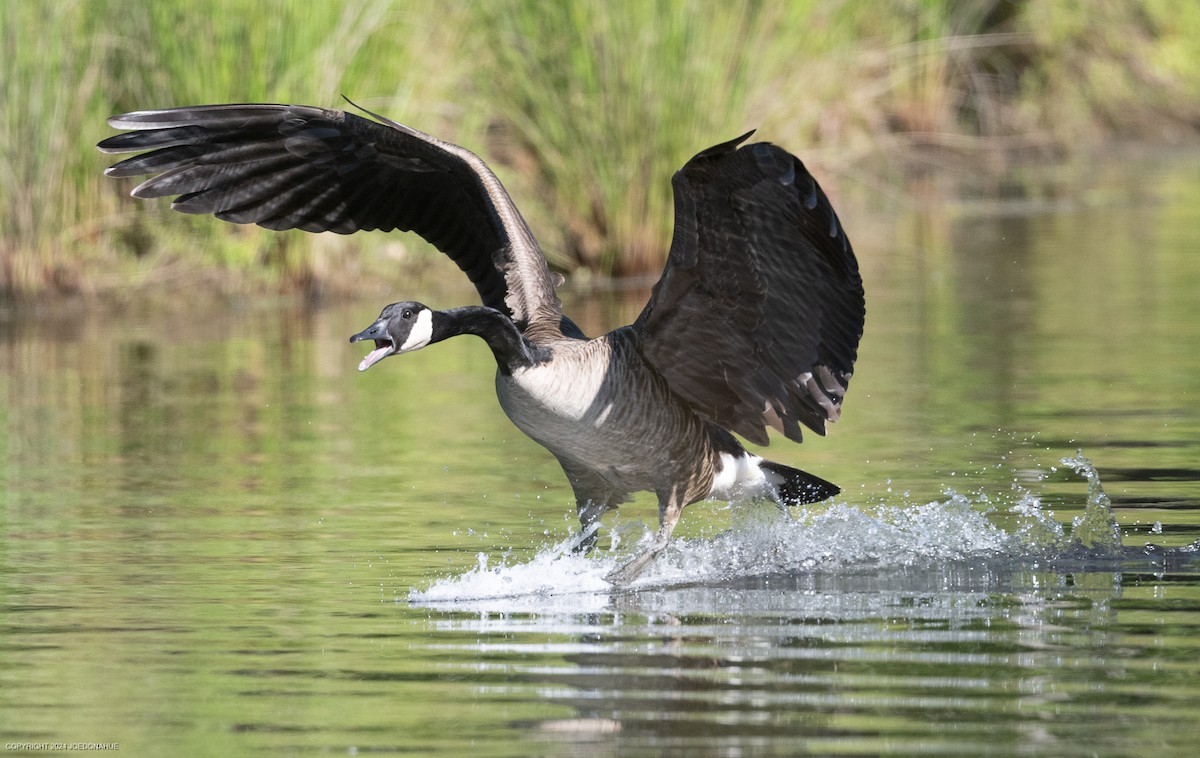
741	478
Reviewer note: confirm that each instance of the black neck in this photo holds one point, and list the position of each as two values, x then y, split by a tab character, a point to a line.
510	347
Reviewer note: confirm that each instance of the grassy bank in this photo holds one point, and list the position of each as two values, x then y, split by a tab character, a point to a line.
585	107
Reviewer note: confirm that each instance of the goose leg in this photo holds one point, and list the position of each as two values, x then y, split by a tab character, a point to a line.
590	512
670	507
593	498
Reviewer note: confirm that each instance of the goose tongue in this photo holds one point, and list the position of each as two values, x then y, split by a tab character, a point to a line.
375	356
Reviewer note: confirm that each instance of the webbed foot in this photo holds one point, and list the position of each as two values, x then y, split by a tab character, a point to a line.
625	574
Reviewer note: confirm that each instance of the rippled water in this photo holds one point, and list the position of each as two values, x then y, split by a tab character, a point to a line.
216	538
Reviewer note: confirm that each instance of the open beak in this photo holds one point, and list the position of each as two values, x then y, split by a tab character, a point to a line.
383	343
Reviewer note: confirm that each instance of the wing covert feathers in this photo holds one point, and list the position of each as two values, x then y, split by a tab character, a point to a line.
757	318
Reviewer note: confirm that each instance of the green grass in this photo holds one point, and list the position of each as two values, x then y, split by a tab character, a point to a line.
586	108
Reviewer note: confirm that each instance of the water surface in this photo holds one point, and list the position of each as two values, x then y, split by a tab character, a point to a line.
217	538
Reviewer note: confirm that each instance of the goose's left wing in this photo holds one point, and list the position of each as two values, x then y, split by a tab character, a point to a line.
757	318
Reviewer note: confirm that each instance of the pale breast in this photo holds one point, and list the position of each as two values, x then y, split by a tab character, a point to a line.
597	404
566	396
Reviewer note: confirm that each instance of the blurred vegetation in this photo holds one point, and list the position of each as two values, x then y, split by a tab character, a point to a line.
585	108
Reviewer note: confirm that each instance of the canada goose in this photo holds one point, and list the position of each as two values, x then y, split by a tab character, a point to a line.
755	322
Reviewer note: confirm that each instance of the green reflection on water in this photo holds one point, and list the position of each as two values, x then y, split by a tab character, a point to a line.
210	522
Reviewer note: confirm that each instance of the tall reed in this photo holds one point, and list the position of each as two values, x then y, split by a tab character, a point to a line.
586	107
71	64
51	83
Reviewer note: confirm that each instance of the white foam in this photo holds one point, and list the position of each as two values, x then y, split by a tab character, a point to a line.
765	541
554	571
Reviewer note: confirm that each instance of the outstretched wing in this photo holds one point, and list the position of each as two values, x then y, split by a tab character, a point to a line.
300	167
758	314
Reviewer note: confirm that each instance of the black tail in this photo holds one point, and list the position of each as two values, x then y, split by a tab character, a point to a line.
798	487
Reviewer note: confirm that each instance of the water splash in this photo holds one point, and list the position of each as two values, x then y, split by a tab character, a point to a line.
1097	528
555	570
764	541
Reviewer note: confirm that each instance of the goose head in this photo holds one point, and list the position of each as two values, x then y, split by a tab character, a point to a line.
400	328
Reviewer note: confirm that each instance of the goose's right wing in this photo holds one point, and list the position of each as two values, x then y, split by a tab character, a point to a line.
300	167
758	314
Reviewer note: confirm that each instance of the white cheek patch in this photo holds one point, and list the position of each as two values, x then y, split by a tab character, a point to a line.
421	333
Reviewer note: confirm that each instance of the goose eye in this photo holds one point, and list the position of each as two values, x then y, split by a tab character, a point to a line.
407	315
